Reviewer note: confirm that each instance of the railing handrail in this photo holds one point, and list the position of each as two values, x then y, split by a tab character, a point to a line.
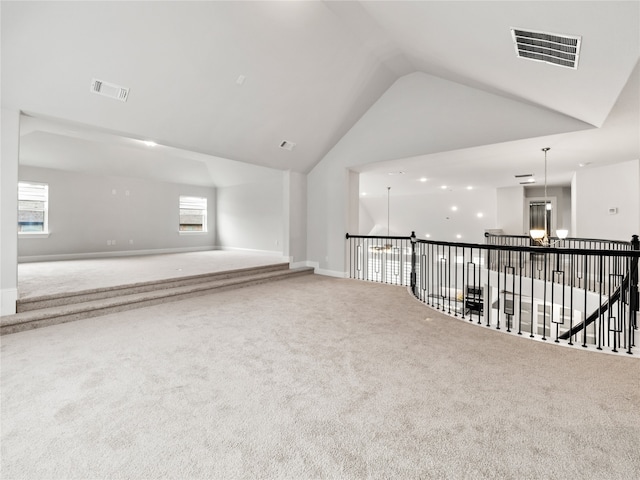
378	236
572	239
514	248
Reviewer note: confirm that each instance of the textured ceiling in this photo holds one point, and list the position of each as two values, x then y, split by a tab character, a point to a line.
311	69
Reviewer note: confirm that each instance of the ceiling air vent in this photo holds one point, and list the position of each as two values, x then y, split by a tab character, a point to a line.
109	90
553	48
287	145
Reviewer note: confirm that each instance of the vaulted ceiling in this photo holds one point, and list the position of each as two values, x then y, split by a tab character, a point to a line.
214	82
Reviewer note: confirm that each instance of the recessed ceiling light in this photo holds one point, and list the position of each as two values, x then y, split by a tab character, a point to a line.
443	187
423	179
584	164
240	80
428	235
469	187
458	236
454	208
364	194
149	143
480	215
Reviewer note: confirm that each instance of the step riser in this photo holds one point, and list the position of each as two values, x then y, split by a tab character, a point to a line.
90	313
29	305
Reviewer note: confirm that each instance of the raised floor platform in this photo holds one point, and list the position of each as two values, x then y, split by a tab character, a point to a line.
63	291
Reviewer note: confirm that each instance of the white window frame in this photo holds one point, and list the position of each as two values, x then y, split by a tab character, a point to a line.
193	202
35	191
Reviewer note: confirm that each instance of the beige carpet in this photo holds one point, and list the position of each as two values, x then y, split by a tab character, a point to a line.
310	378
49	278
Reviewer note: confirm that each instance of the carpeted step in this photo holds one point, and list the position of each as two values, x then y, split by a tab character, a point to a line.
81	296
92	308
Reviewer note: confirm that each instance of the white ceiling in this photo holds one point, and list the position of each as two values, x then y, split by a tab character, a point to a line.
312	69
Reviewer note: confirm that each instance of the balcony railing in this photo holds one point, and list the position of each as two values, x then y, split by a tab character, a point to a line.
572	294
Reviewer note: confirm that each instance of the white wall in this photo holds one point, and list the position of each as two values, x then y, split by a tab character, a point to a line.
432	214
9	153
251	216
407	121
510	203
86	211
295	217
365	221
599	189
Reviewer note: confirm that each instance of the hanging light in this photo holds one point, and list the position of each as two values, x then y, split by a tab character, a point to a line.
540	236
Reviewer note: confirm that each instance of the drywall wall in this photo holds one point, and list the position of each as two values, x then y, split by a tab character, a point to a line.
294	206
510	204
602	190
251	216
366	222
98	215
457	216
419	114
10	123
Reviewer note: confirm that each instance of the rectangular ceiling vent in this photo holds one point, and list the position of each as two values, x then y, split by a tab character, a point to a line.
553	48
110	90
287	145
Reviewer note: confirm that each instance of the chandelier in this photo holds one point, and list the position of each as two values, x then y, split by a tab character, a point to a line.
540	236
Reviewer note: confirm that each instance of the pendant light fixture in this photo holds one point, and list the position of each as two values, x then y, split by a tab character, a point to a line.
540	236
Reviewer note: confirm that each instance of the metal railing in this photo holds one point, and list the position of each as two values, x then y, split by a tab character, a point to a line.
569	242
592	276
581	296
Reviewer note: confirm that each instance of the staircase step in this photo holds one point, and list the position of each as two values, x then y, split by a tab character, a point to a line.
68	298
112	304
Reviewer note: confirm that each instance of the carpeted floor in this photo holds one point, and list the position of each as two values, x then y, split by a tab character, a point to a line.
310	378
49	278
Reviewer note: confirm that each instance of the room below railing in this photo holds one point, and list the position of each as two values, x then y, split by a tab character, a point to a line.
575	295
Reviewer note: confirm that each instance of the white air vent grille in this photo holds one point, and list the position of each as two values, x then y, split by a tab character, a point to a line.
109	90
556	49
287	145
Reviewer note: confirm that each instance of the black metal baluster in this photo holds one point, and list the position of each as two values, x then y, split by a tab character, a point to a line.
520	264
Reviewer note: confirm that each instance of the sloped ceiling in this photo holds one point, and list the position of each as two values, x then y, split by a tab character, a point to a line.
311	70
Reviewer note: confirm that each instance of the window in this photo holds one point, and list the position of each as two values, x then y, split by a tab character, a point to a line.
33	207
193	214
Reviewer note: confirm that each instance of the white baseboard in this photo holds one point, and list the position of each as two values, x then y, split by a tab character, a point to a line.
318	270
331	273
302	264
8	299
253	250
122	253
